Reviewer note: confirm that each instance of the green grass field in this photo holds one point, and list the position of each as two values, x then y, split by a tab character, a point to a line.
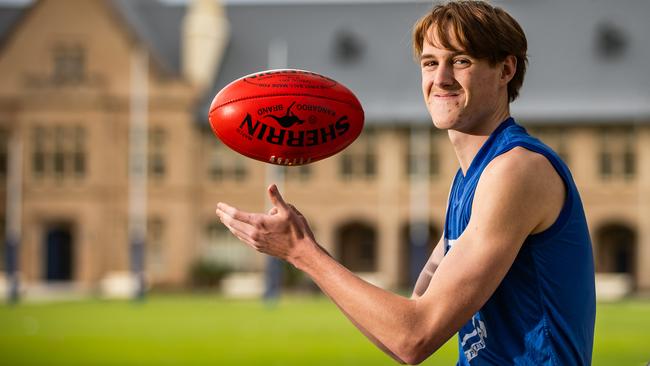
206	330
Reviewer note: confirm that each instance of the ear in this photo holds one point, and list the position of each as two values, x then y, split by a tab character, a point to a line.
508	69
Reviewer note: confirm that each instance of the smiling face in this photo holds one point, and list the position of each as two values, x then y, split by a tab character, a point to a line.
462	92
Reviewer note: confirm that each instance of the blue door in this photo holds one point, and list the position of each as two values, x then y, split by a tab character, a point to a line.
58	254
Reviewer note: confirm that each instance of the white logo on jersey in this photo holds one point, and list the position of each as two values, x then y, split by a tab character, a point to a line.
477	344
449	243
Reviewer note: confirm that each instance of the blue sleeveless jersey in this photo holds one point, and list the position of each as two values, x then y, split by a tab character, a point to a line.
543	311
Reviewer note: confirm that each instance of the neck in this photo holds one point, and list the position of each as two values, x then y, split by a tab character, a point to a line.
467	143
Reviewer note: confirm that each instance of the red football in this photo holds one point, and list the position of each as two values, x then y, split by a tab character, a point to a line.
286	117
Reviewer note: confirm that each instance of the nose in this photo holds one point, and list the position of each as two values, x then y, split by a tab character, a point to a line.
444	76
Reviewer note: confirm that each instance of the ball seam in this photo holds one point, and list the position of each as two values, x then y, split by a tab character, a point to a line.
288	95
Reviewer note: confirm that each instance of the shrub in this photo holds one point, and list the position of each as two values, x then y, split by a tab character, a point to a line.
205	273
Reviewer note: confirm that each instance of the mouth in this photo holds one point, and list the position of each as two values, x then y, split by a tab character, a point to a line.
445	95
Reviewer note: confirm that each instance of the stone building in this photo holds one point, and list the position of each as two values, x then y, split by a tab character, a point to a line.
69	91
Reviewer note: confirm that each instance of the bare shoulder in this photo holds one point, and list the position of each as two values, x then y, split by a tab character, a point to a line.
527	178
521	165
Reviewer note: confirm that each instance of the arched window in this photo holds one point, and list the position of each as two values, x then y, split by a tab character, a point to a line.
155	255
416	246
357	247
616	249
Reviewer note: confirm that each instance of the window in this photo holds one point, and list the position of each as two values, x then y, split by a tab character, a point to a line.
605	163
359	160
616	245
416	155
38	154
611	41
357	247
556	138
69	64
617	153
418	239
346	165
3	247
348	47
156	153
298	173
58	151
225	164
155	260
4	152
78	151
221	247
629	155
562	150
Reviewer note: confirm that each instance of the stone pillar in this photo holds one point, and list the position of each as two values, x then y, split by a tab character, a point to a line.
643	227
419	202
389	170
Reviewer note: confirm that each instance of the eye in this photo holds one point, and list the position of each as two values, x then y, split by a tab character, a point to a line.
429	63
462	62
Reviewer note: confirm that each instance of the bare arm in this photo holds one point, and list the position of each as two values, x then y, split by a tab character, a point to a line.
368	335
505	212
363	330
429	269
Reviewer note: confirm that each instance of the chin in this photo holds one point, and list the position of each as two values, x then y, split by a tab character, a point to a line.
444	123
443	118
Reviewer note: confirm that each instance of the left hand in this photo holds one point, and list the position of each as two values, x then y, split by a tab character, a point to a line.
281	232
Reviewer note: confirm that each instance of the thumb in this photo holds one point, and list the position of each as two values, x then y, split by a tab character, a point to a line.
276	198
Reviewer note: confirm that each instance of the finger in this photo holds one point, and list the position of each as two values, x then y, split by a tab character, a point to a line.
276	197
239	215
242	236
245	241
273	211
232	222
295	210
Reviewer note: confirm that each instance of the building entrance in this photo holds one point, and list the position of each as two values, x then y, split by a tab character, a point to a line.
59	258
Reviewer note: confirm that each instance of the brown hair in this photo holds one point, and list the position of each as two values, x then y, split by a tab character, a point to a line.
482	31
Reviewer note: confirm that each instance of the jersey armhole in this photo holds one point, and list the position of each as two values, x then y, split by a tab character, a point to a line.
559	167
447	212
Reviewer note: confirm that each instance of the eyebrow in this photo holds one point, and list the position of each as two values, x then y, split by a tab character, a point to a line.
425	56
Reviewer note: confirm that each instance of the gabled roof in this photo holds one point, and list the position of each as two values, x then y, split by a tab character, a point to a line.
325	38
8	16
157	25
567	79
570	77
366	46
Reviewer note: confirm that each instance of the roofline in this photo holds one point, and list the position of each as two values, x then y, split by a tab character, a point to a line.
29	6
302	2
4	39
118	12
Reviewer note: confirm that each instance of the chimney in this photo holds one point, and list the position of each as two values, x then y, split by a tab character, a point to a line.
205	36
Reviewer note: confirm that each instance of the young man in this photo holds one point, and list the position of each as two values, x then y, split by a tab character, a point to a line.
513	273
